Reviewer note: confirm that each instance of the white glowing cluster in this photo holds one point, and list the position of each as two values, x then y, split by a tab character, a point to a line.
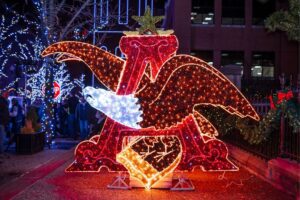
124	109
62	77
17	44
79	82
36	82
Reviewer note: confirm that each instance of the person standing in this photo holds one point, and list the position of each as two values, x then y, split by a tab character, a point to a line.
82	116
16	118
63	117
16	114
4	119
72	103
98	125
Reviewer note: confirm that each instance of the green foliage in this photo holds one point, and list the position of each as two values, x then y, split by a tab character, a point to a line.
254	132
287	21
291	111
259	132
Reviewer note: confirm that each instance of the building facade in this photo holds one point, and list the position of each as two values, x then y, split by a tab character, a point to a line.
225	33
232	32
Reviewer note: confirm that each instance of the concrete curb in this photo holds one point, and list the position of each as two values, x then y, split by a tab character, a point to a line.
282	174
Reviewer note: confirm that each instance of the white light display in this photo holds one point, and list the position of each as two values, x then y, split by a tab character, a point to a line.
21	42
79	82
17	44
122	108
36	82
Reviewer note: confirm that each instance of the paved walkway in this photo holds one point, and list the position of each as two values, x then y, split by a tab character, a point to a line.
49	181
13	166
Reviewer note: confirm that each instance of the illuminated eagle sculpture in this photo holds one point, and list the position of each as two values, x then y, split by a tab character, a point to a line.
153	92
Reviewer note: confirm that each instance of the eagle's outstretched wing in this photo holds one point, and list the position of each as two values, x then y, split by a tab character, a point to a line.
106	66
183	83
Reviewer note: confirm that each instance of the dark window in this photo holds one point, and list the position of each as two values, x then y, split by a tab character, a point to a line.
159	7
202	12
206	55
233	12
261	9
263	64
232	58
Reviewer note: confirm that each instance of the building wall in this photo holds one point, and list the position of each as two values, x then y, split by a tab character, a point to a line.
246	38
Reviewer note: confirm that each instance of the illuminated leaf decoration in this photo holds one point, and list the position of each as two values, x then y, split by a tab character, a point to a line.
150	163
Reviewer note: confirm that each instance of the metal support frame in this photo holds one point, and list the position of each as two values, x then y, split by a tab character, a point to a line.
182	184
119	182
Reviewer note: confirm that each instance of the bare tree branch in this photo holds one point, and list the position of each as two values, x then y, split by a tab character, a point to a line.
72	20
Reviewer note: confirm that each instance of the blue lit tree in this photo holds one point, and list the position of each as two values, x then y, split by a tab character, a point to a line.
36	83
18	44
22	39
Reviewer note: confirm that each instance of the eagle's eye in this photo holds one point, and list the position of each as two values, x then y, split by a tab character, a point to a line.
87	96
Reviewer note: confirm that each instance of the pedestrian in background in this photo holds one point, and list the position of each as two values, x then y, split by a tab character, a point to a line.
4	119
82	116
72	103
16	119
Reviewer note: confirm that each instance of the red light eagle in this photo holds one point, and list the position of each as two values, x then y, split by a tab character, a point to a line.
168	88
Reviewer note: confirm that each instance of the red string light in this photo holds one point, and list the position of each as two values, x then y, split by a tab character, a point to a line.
169	87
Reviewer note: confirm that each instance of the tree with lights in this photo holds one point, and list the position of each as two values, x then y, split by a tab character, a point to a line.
20	45
79	82
35	86
76	15
78	19
22	38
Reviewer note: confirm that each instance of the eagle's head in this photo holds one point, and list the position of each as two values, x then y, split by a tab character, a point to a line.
124	109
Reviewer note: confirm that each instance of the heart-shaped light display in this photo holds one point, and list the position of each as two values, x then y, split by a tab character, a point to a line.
149	159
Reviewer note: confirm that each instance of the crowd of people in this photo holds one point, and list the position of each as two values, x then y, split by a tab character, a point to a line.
74	118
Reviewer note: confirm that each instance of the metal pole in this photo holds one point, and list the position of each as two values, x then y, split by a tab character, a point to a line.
94	34
282	130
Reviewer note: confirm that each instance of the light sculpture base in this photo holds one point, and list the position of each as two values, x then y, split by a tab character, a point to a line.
199	149
182	184
165	183
119	182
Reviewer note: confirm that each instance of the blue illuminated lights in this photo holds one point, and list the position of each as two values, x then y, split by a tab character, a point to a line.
124	109
104	47
119	53
104	12
123	12
120	15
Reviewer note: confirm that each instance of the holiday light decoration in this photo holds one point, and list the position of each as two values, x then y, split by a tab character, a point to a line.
18	45
79	82
122	108
150	159
22	40
168	88
11	84
2	74
56	90
36	83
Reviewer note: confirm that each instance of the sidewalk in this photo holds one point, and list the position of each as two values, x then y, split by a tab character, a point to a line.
49	181
13	165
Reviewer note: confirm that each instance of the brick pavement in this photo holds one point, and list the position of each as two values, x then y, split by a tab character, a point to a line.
54	183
